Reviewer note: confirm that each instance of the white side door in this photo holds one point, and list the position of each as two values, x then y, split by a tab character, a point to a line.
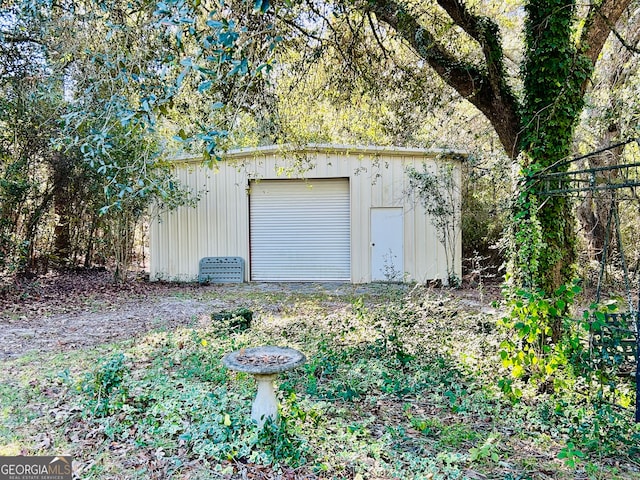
387	241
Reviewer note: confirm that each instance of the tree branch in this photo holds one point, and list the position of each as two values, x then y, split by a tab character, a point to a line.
600	22
466	78
625	43
483	30
486	32
375	35
21	38
485	88
337	43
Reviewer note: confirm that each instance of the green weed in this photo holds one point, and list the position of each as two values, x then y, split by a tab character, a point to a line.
488	451
104	387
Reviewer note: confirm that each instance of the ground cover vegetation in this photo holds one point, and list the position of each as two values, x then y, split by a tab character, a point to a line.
400	382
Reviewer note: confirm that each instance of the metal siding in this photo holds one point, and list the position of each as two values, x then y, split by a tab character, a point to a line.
219	225
213	228
360	201
300	230
429	253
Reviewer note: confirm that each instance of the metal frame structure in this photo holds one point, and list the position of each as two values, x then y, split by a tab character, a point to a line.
618	179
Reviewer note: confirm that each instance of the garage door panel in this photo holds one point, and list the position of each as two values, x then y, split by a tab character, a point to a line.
300	231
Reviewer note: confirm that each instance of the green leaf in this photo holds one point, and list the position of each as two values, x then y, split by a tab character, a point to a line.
261	5
216	25
204	86
182	76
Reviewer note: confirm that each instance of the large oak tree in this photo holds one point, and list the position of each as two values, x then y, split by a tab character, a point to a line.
562	42
533	99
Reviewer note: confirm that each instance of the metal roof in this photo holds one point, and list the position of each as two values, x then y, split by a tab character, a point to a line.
392	151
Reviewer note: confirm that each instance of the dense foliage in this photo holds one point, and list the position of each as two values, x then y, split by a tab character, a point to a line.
202	75
75	178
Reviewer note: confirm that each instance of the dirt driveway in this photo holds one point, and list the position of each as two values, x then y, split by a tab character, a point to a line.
68	311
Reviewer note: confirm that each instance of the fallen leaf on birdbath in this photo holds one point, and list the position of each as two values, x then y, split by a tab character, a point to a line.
248	359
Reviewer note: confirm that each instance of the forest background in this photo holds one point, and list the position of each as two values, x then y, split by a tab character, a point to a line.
97	95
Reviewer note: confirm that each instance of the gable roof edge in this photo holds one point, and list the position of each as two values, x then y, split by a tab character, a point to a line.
393	151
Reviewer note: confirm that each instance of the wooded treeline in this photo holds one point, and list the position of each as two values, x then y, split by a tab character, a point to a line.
75	179
95	94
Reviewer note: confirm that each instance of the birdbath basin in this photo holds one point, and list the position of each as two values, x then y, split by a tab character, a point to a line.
264	363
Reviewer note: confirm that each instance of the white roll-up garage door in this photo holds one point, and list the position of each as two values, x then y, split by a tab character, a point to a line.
300	230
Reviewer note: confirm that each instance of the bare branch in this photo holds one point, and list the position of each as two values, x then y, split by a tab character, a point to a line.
20	38
297	27
625	43
375	35
337	44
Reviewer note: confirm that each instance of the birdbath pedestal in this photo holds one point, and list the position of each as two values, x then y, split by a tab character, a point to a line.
264	363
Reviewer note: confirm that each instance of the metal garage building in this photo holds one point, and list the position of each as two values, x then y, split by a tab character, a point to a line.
314	213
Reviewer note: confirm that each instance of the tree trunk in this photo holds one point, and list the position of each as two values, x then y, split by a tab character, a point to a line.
88	254
61	203
62	235
554	74
595	209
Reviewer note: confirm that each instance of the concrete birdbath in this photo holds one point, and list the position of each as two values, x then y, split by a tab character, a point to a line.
264	363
